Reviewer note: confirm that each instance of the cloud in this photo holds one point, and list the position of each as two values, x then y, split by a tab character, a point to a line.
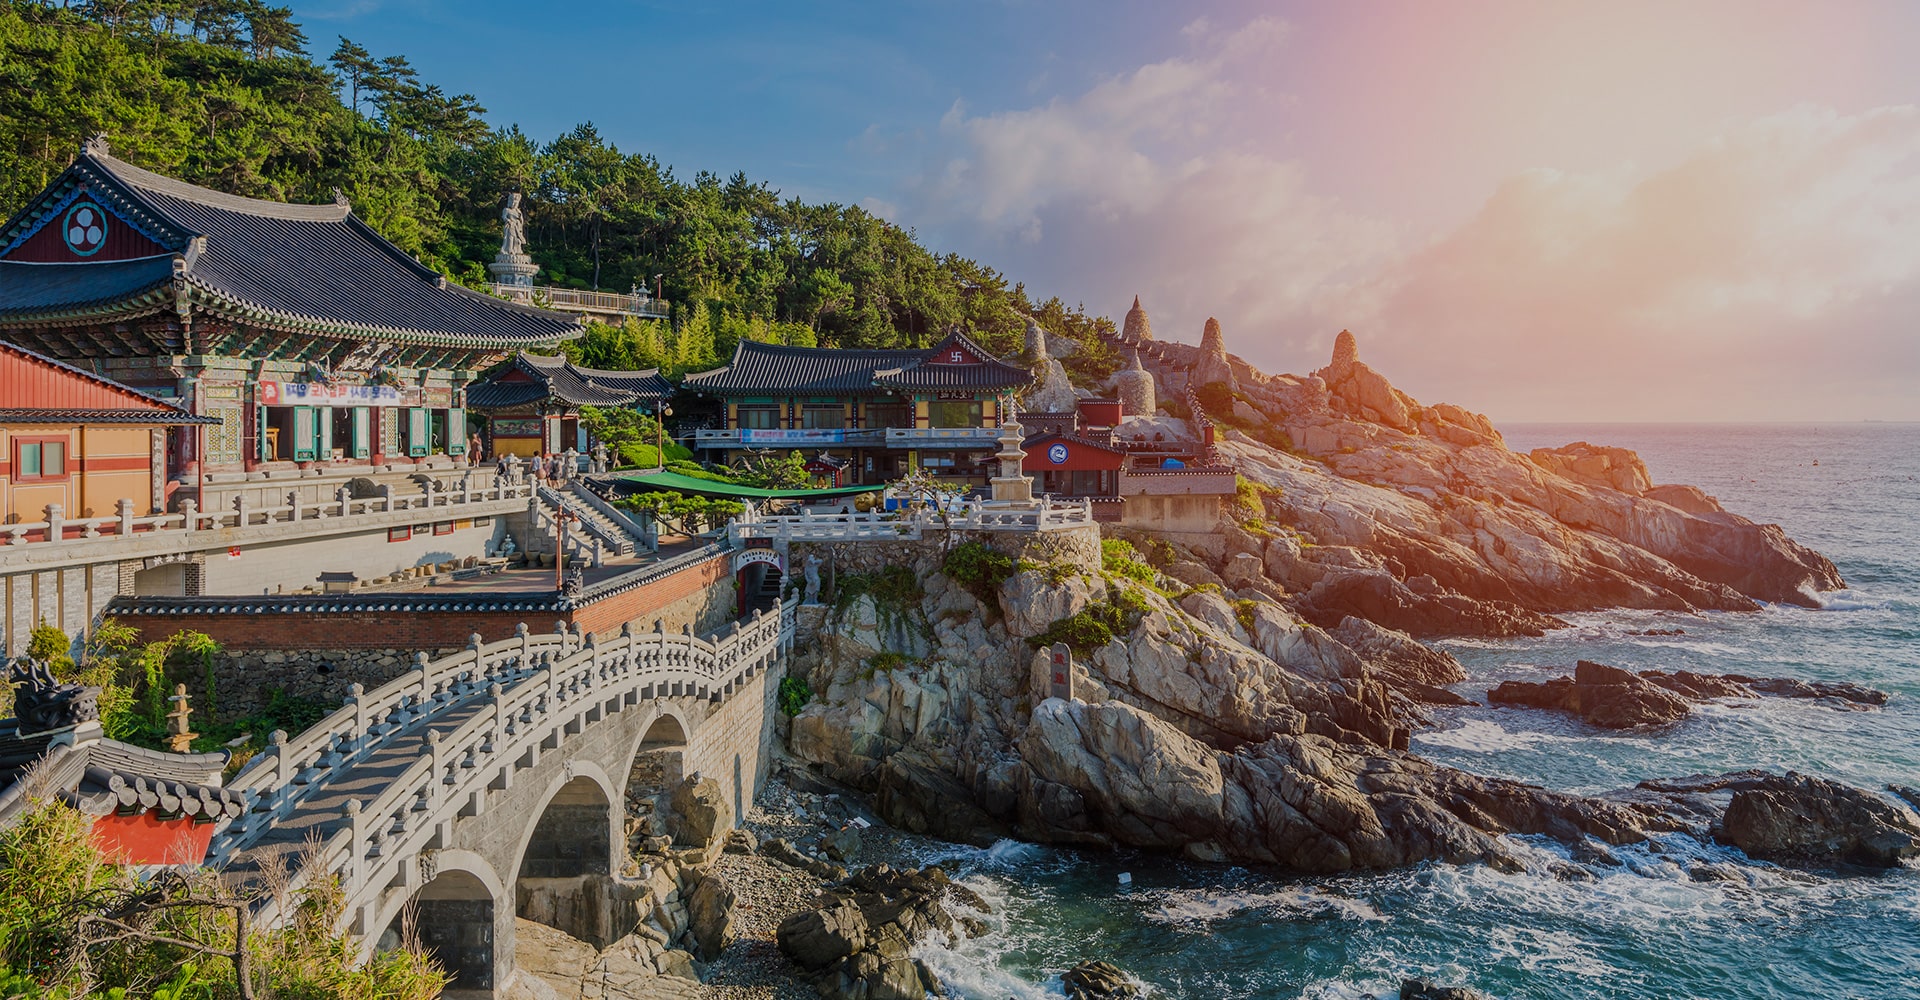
1772	272
1143	183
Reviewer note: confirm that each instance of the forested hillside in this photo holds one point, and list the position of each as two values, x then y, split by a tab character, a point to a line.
225	93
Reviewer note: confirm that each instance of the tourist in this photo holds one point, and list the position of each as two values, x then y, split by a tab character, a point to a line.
537	468
473	449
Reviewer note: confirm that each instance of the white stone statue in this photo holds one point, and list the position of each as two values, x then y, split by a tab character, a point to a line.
513	239
810	569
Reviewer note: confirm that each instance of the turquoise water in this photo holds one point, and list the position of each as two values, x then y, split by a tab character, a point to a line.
1642	928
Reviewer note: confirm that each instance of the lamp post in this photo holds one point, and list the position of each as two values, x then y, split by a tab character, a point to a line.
660	415
563	518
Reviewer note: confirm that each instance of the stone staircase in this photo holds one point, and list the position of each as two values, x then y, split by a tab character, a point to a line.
767	598
615	538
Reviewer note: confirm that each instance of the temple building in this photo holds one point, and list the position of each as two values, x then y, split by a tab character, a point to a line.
323	352
76	444
532	402
882	412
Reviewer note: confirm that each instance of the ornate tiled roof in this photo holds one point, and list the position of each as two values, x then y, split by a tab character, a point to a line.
543	377
108	287
776	368
301	268
956	363
759	368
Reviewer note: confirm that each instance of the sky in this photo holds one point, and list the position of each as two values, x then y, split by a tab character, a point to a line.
1614	211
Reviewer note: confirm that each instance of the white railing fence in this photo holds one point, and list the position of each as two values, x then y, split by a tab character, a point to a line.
1040	515
58	528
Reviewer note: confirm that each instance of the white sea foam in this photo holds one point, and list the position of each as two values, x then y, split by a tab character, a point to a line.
1193	909
1482	736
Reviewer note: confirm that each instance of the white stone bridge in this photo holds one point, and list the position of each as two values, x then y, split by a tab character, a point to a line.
510	760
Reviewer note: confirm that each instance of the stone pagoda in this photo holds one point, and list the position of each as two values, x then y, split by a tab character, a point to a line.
1010	486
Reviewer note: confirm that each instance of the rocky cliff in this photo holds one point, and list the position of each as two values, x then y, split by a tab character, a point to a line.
1394	509
1247	693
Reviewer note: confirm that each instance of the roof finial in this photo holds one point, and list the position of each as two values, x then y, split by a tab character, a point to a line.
340	198
96	146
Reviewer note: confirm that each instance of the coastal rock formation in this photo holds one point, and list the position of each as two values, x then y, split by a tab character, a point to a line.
1111	775
1790	818
1604	696
1099	981
856	945
1618	699
1799	818
1439	508
1054	392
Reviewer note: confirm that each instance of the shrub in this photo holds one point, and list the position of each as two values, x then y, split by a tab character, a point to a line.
1095	625
979	567
1119	557
793	696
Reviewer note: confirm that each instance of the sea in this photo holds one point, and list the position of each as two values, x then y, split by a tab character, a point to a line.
1639	926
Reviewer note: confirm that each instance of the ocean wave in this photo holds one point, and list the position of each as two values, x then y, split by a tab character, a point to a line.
1482	736
1854	600
1194	909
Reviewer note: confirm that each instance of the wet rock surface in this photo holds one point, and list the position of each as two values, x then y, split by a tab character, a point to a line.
855	943
1620	699
1099	981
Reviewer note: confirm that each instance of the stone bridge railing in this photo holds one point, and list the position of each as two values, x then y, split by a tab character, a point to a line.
1039	515
502	701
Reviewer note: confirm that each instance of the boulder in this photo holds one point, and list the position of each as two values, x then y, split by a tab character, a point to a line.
1397	656
858	945
1797	818
698	813
710	914
1427	989
1619	699
1604	696
1031	601
1099	981
779	850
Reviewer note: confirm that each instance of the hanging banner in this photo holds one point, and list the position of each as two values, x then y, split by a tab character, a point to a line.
322	394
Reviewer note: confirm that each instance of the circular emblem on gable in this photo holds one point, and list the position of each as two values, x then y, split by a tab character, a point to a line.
84	228
1057	453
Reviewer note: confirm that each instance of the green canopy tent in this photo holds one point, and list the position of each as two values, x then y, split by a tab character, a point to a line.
655	482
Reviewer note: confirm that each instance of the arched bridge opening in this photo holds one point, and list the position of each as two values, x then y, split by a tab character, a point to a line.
452	919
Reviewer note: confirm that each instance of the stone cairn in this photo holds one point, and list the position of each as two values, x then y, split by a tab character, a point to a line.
1213	368
1134	385
1137	328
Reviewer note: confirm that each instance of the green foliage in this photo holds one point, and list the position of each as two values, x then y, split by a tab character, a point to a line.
1249	504
793	695
774	470
979	567
1096	625
632	436
896	593
51	646
134	679
1243	613
1119	557
176	931
685	513
885	661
